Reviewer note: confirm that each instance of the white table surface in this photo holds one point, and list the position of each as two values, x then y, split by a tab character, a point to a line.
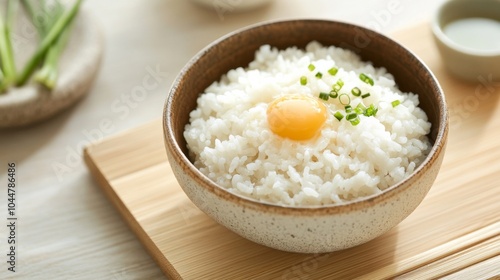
67	229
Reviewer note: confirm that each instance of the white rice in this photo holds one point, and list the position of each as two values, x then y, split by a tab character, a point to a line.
230	141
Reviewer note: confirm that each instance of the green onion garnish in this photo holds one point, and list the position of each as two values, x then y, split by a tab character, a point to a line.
324	96
344	99
355	121
338	115
333	71
366	79
348	108
319	75
360	109
365	95
371	111
395	103
336	87
351	116
303	80
334	94
311	67
356	91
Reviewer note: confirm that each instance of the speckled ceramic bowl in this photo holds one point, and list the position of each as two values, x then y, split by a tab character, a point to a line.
304	229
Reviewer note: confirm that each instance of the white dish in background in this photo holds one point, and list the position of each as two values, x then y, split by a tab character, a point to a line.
78	68
475	33
469	53
232	5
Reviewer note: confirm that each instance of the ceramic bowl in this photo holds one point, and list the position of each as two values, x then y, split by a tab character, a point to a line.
304	229
462	61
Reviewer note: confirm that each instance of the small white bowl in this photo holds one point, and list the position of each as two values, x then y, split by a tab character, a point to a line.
462	61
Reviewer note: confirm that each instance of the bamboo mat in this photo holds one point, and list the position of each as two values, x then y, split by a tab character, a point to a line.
454	233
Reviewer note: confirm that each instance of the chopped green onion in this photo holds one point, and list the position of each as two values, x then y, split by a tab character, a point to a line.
338	115
365	95
346	99
371	111
340	83
395	103
334	94
319	75
303	80
333	71
311	67
336	87
324	96
355	121
360	109
366	79
351	116
356	91
348	108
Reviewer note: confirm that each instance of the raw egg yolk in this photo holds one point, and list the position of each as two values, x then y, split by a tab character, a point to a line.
297	117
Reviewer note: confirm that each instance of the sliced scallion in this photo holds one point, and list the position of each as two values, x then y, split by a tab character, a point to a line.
365	95
333	71
356	91
351	116
355	121
311	67
395	103
319	75
344	99
363	77
338	115
324	96
348	108
336	87
334	94
360	109
371	111
303	80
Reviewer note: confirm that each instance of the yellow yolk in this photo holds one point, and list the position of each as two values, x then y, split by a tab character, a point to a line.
297	117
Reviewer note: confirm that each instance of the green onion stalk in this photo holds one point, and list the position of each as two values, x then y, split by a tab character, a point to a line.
6	51
48	74
2	84
50	40
31	13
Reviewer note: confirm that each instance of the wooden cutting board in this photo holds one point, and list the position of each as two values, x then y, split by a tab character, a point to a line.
454	233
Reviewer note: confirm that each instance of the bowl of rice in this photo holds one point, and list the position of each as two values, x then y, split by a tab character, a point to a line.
306	136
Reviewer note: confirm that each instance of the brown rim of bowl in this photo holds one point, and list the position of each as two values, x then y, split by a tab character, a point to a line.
251	203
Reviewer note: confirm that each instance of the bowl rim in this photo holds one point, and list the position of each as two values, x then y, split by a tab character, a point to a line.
437	29
358	204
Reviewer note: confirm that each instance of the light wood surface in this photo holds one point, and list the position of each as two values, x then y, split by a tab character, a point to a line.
455	231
